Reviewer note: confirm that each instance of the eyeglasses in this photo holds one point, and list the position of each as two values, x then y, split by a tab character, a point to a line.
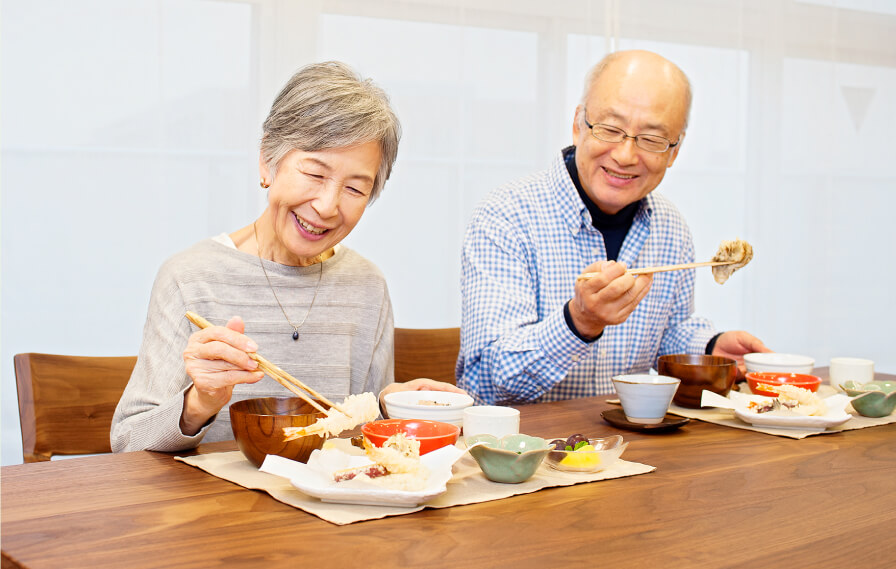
648	142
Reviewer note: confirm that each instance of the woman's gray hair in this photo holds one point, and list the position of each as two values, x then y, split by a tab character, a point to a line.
328	105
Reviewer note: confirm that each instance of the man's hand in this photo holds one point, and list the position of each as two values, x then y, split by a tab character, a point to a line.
734	344
606	299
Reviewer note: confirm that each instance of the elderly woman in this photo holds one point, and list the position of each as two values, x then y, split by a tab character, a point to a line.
283	284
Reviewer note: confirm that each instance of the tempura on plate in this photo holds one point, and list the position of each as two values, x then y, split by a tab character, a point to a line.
791	399
396	465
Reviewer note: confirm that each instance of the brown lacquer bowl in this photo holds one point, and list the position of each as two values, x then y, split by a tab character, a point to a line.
698	372
258	428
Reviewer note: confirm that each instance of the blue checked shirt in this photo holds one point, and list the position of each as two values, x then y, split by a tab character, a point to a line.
524	248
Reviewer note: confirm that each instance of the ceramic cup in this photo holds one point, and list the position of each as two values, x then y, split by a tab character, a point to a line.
645	398
850	369
491	420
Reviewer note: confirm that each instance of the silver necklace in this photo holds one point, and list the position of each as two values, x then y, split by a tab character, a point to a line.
295	328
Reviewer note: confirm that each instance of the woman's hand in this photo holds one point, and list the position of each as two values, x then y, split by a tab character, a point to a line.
422	384
216	359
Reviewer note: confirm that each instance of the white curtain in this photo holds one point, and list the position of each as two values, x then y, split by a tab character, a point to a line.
129	131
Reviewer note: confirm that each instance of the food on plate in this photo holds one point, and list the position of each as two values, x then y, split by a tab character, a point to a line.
738	251
791	399
368	470
432	403
361	408
574	443
761	406
396	465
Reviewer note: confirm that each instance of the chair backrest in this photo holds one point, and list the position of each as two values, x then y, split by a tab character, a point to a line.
66	403
428	353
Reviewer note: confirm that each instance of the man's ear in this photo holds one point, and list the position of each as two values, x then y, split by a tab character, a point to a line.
673	154
575	124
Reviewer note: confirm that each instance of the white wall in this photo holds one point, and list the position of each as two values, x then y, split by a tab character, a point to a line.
129	131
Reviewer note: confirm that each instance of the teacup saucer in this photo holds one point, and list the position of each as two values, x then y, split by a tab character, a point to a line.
616	417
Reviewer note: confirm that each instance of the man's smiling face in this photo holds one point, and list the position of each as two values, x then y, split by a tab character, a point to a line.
640	94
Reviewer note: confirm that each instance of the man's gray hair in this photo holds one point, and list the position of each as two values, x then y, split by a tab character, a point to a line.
596	71
328	105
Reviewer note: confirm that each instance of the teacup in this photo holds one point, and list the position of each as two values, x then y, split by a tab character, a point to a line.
857	370
645	398
491	420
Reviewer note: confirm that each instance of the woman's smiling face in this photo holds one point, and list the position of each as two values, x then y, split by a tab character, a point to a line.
315	200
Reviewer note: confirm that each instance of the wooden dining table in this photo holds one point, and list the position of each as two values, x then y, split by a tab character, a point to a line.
719	497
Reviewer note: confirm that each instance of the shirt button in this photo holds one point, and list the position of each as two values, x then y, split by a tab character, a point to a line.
603	353
575	357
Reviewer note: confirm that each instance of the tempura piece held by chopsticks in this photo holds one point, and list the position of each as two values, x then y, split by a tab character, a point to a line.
361	408
738	251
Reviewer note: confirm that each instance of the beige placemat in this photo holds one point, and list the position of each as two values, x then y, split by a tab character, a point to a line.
726	417
467	486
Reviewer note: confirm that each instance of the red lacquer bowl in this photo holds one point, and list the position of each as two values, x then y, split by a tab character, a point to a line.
756	379
431	434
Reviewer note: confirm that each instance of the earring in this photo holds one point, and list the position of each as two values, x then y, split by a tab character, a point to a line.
264	184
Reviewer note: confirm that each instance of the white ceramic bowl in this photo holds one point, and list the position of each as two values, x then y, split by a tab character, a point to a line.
645	398
441	406
771	361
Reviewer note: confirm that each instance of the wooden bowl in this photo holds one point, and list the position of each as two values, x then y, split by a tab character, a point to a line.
258	428
698	372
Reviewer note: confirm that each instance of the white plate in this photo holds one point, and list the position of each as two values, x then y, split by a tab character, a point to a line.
831	419
316	478
836	414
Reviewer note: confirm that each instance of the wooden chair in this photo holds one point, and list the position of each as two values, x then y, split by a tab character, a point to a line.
428	353
66	403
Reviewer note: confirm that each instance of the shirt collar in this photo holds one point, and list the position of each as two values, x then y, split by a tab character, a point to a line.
570	202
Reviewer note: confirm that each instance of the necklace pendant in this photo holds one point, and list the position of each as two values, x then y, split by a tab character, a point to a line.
295	335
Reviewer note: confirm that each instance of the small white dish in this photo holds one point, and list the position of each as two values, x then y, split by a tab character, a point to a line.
773	361
495	420
316	478
444	406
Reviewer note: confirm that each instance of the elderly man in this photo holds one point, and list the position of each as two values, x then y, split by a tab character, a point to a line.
533	331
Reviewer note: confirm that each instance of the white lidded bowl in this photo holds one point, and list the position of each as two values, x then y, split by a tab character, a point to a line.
771	361
443	406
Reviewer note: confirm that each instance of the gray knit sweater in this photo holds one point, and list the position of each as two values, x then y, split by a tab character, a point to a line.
345	344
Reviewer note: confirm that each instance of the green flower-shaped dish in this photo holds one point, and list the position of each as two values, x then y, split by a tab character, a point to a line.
872	399
511	459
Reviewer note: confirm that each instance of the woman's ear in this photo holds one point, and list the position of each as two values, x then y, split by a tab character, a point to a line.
264	173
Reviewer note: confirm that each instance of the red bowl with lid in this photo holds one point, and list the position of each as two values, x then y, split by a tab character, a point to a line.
430	434
756	379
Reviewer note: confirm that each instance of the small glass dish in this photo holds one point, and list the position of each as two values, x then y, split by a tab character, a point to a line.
606	451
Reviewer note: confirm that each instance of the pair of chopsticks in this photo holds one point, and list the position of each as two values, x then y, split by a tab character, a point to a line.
662	269
277	374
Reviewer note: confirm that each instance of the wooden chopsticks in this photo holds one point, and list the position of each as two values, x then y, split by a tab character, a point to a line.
664	268
277	374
